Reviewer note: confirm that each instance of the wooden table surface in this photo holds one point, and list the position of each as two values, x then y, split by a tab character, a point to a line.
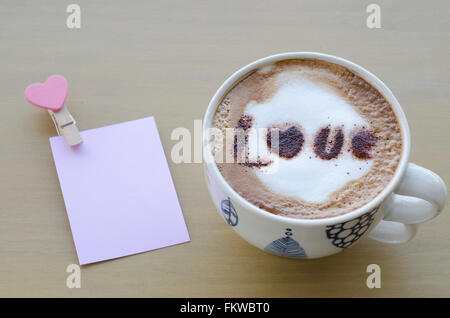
167	58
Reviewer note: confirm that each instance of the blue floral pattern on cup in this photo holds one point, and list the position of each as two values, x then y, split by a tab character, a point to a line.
286	246
229	212
344	234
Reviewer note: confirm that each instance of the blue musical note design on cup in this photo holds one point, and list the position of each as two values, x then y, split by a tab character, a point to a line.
229	212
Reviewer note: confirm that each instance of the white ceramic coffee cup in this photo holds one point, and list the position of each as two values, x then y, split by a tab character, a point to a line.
413	196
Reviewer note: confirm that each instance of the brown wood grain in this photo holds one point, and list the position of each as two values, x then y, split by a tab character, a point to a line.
167	58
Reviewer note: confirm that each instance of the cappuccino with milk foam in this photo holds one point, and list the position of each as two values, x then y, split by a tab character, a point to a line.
330	143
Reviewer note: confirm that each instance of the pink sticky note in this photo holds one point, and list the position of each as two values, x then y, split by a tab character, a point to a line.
118	191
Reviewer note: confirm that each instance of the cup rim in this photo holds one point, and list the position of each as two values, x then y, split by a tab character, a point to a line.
237	76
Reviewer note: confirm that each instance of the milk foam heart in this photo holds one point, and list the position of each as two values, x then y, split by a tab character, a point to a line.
312	106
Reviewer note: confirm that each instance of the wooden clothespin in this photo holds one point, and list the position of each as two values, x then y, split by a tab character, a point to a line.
51	95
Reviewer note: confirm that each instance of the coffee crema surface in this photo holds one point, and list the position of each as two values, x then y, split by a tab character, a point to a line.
338	142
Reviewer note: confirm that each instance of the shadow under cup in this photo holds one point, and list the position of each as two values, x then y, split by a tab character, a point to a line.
286	236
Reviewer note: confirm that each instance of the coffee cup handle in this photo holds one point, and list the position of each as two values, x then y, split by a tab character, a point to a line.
419	197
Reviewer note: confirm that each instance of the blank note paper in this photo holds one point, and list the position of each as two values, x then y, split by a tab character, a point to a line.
118	191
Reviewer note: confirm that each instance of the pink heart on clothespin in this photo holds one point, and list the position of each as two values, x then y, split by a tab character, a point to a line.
50	95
